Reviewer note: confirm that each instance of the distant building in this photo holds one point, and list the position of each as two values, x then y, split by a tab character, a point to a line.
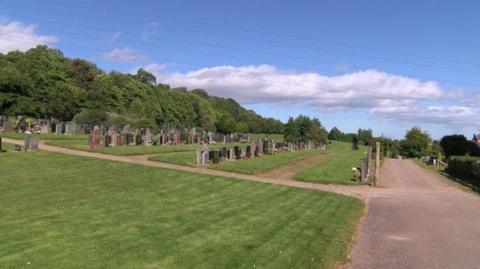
476	139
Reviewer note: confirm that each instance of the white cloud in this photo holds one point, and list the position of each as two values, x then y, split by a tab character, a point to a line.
386	95
126	55
115	36
264	83
15	35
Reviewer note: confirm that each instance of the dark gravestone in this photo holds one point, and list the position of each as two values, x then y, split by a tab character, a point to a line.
108	141
138	139
265	147
236	149
216	156
129	139
210	155
224	153
248	149
256	152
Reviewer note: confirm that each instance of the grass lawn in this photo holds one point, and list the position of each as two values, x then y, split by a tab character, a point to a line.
337	169
264	163
47	137
187	158
61	211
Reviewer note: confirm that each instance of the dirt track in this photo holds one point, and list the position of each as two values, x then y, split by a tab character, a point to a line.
356	191
418	220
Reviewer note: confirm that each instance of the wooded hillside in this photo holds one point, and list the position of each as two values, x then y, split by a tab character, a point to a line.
43	83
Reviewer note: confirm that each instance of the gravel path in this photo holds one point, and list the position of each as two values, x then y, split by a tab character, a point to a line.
361	192
419	219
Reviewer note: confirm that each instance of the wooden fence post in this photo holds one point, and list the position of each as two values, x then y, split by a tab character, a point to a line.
377	163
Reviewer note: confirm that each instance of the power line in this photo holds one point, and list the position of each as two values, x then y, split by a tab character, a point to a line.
188	64
344	44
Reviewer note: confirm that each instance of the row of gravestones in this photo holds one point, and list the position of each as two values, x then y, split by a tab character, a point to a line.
257	149
114	139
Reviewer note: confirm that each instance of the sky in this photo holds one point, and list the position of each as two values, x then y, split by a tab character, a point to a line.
384	65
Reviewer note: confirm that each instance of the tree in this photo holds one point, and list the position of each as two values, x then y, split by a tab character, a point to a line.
458	145
355	142
365	137
145	77
416	143
335	134
91	117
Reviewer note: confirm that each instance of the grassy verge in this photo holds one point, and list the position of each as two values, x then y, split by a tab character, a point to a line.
336	169
61	211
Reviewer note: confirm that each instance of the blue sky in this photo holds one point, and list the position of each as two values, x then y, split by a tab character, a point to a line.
387	65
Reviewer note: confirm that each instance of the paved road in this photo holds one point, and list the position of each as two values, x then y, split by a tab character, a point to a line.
418	220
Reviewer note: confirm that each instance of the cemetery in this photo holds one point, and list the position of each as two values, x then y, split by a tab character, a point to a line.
154	217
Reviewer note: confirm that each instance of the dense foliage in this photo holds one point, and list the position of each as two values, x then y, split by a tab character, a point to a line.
363	136
304	129
416	143
459	145
42	83
466	168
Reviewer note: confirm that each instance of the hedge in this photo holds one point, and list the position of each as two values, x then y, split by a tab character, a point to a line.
466	168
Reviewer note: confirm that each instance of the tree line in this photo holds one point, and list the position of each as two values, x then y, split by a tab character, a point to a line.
43	83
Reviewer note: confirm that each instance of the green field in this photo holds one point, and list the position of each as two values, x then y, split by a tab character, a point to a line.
61	211
338	168
275	137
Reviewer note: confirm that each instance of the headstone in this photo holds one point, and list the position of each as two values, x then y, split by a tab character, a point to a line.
148	137
205	155
108	141
119	141
31	142
138	139
94	139
129	139
253	149
237	152
199	157
7	126
58	128
248	150
44	129
232	154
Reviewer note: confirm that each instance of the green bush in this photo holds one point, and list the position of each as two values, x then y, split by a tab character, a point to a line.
466	168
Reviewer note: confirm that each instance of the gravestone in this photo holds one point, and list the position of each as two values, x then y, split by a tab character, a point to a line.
248	150
199	157
232	154
113	137
119	141
31	142
237	152
215	156
108	141
148	137
94	139
224	154
253	149
138	139
58	128
7	126
129	139
44	129
205	155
